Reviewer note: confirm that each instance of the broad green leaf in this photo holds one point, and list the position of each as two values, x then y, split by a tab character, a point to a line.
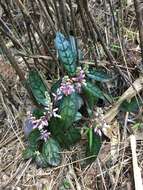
38	88
56	127
92	93
72	136
29	152
60	127
131	106
40	160
93	90
51	152
94	147
98	75
34	137
69	137
68	109
67	56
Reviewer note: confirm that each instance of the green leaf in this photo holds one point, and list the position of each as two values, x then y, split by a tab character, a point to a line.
79	101
137	126
78	116
55	86
131	106
91	93
60	127
34	137
93	146
37	113
93	90
72	136
51	152
90	138
40	160
29	152
68	109
91	101
66	184
98	75
38	88
67	55
68	138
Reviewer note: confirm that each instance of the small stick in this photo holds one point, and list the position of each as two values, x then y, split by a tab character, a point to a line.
138	4
136	169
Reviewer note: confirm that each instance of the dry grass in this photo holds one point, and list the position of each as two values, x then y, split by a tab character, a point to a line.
112	169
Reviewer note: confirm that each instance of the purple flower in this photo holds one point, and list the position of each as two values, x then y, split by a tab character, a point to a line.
39	123
78	87
42	123
58	95
45	135
80	75
36	122
79	80
67	88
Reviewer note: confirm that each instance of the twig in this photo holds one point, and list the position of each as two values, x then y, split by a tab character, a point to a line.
16	67
80	7
48	18
101	172
136	169
63	12
139	16
58	22
11	59
26	14
119	39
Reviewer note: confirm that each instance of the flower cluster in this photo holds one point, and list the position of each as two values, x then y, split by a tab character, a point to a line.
101	125
38	124
67	86
41	123
70	85
79	80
